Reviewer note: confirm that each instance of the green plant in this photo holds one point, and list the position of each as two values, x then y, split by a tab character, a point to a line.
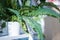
24	13
3	25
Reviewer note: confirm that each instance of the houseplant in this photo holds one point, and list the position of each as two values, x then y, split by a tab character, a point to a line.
24	12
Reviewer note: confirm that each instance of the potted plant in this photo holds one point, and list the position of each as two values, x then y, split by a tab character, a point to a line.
23	12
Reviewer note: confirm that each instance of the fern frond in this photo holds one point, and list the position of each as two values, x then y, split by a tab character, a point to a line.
35	25
43	11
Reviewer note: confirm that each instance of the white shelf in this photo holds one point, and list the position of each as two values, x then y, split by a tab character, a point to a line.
15	37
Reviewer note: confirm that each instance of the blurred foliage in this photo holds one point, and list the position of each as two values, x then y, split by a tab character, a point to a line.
11	10
42	1
3	25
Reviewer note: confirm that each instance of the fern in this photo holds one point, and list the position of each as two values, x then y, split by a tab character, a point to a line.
43	11
35	25
15	11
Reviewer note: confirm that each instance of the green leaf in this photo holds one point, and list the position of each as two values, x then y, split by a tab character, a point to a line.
44	11
17	13
14	4
14	11
3	25
51	5
19	17
14	18
27	3
36	26
42	1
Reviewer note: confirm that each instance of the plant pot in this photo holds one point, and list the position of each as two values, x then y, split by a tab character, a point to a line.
13	28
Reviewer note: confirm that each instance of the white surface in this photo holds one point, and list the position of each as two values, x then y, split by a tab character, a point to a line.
15	37
42	22
30	37
13	28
